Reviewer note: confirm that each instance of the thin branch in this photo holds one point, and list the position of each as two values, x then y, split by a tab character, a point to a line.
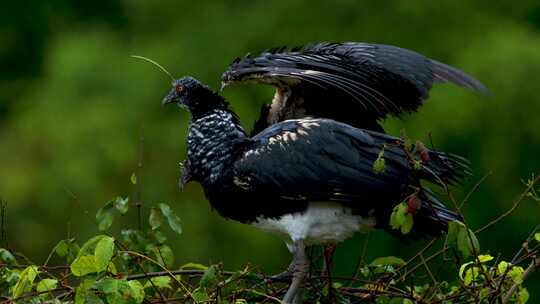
522	196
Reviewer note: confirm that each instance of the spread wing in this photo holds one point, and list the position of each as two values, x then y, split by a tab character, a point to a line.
321	159
355	83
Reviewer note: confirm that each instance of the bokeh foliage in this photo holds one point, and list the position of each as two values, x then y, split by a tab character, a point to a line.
73	106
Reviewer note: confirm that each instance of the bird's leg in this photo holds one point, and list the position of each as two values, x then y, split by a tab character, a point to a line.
300	265
329	251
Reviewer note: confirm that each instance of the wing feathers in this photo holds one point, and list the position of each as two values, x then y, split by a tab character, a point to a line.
383	79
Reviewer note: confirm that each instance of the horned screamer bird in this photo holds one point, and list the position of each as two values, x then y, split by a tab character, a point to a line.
311	180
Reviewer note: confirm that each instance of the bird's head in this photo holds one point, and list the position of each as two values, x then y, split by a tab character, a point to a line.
191	94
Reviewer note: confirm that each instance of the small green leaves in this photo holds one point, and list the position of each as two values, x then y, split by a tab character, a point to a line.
121	291
159	282
121	204
400	219
46	284
68	249
26	279
105	215
482	258
208	277
84	265
379	165
133	178
7	257
389	260
172	218
537	236
522	296
501	268
155	219
94	256
104	252
516	273
464	239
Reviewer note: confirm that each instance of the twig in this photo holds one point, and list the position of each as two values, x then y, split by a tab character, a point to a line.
474	189
522	196
168	273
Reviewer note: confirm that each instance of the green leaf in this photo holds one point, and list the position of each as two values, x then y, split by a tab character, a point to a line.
84	294
379	165
200	295
155	219
194	266
389	260
159	282
46	284
164	255
464	244
172	219
107	285
407	224
516	273
133	178
90	245
501	268
103	253
400	219
7	257
121	291
522	296
462	270
484	258
68	249
537	236
84	265
453	230
105	216
121	204
26	279
208	277
136	291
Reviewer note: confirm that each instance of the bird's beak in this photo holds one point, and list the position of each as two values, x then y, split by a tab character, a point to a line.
169	98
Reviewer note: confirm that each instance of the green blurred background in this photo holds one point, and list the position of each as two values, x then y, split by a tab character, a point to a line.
73	104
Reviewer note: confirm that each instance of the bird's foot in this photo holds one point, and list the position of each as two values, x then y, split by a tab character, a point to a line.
285	276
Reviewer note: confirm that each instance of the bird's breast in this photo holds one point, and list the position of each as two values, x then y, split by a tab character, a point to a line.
320	223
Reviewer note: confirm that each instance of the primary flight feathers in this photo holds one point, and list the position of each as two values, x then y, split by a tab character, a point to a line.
365	81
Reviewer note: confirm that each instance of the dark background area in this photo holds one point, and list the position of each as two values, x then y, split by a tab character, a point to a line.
73	104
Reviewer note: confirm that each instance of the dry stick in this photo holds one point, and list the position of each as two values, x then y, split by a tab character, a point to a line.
514	206
532	267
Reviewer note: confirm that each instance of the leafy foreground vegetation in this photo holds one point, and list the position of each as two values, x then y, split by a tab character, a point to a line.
137	267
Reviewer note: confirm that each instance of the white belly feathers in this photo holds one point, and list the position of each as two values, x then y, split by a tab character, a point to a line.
321	223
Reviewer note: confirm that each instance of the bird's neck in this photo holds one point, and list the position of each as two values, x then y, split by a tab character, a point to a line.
213	139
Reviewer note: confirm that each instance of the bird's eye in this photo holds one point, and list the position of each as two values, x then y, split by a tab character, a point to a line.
179	88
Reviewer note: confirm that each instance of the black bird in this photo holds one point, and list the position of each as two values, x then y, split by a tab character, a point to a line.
355	83
311	180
